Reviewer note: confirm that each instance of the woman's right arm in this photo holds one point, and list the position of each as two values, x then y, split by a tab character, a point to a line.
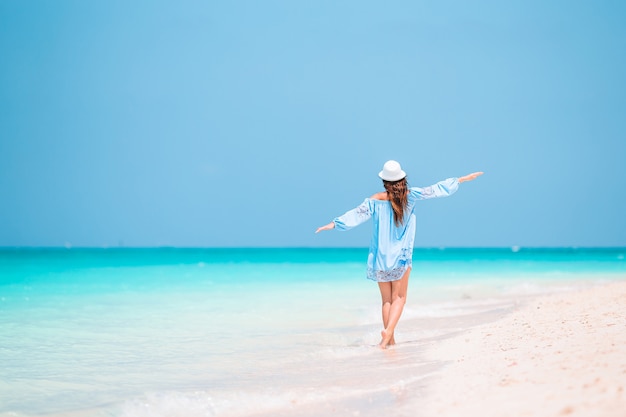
470	177
443	188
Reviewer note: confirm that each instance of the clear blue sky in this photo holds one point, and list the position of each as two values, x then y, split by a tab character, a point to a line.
250	123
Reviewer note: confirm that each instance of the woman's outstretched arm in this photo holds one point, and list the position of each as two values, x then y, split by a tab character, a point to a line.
351	218
328	226
471	176
443	188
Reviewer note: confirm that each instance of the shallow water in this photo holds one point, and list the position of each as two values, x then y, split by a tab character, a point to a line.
241	332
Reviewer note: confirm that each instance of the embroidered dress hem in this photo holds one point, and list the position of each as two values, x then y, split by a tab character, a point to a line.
387	276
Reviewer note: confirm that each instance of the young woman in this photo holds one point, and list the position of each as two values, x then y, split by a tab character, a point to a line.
391	247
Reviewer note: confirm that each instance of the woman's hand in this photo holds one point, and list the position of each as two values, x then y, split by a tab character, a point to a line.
471	176
328	226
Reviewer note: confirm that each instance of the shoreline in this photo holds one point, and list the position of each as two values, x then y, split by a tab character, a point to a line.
561	354
479	349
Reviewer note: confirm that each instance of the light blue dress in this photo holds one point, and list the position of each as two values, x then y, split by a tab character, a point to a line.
391	246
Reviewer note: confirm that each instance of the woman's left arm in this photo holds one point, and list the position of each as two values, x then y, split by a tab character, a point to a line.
350	219
328	226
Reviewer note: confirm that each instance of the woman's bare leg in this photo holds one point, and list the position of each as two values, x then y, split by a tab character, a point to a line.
397	292
385	294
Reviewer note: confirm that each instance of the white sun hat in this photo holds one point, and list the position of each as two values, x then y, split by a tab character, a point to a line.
392	171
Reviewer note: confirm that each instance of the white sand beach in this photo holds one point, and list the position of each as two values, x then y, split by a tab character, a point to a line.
559	355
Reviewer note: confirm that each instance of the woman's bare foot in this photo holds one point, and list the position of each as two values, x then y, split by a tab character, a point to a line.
386	339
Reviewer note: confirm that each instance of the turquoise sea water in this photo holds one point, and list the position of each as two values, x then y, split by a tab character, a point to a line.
242	332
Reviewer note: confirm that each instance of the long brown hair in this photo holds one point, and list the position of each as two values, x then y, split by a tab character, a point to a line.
397	192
